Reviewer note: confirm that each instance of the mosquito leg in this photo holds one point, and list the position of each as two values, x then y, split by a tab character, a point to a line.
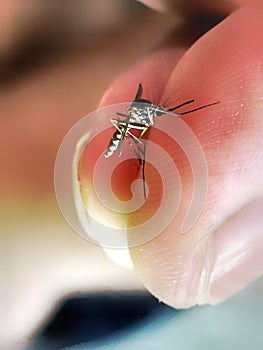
122	130
117	125
122	115
138	151
141	155
138	142
143	169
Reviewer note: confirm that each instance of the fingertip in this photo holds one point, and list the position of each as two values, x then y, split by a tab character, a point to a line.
223	65
236	252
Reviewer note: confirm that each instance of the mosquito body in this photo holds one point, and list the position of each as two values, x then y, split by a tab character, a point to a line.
140	116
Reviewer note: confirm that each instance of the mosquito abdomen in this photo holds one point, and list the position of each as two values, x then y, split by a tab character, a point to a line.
113	144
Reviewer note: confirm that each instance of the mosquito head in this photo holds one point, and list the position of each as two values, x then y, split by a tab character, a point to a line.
159	111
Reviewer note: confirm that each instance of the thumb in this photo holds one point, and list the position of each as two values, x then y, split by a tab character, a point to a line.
222	253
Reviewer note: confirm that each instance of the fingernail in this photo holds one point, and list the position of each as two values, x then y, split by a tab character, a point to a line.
157	5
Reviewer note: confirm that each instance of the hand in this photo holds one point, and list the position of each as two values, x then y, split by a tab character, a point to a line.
223	251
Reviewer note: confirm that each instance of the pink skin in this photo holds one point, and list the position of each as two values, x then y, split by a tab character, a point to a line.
223	252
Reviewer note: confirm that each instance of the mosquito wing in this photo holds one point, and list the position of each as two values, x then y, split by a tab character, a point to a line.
138	93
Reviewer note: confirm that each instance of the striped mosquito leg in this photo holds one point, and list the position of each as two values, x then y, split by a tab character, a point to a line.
143	169
140	153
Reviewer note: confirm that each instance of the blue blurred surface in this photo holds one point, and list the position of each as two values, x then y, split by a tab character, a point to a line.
140	322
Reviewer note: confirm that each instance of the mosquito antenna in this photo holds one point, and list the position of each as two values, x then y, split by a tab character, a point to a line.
181	105
197	109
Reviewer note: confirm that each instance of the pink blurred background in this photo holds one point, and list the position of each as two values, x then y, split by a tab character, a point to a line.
56	61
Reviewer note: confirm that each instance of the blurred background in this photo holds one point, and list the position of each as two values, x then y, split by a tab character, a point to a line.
57	58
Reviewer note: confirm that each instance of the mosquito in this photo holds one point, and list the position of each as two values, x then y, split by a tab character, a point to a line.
141	116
